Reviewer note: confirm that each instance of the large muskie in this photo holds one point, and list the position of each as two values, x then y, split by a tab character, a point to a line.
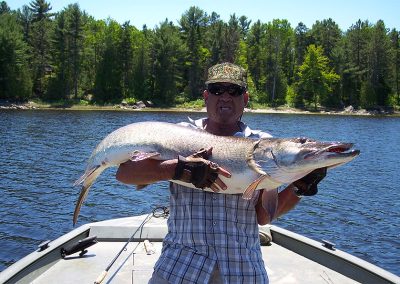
254	164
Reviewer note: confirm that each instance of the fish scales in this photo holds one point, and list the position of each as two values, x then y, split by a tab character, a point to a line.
170	140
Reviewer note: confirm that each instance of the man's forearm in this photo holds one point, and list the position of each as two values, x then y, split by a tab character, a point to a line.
287	200
272	205
146	171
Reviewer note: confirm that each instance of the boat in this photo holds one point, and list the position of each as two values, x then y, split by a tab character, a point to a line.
124	250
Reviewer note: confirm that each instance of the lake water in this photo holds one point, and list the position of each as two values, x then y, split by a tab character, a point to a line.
44	152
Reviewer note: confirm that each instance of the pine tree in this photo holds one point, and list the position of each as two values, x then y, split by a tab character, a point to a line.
168	69
40	43
316	78
192	24
15	82
75	32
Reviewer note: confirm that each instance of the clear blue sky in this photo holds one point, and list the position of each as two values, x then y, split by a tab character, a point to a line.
152	12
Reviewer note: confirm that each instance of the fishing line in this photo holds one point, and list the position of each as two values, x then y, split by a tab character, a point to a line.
104	273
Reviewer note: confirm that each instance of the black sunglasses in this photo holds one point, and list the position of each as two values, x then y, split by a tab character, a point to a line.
232	89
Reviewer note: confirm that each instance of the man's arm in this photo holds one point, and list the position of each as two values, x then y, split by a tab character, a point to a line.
286	199
146	171
193	169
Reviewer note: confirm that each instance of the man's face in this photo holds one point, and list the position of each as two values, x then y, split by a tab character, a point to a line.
225	102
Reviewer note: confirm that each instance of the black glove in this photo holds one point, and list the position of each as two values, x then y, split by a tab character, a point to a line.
196	169
307	185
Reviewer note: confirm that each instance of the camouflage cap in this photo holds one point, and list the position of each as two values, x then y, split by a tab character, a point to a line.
227	73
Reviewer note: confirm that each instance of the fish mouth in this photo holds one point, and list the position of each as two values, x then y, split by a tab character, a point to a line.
338	150
342	150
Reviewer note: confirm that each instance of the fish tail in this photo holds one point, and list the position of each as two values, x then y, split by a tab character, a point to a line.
85	175
87	179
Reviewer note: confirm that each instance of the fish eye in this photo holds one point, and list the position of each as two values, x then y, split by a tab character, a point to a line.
302	140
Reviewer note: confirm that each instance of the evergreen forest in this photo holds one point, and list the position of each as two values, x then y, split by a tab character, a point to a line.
69	56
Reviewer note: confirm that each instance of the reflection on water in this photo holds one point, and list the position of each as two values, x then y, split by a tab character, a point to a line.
44	152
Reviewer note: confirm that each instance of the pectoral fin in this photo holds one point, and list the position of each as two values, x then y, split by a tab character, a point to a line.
252	187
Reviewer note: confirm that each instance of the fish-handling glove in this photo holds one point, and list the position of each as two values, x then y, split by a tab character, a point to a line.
307	185
196	169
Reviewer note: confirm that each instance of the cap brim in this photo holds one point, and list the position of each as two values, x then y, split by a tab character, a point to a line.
220	80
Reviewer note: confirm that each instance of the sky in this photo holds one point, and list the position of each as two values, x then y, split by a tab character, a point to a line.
153	12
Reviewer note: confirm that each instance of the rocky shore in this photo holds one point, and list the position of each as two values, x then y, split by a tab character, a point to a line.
350	110
148	106
4	104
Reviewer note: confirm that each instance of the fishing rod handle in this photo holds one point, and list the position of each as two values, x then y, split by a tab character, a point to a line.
101	277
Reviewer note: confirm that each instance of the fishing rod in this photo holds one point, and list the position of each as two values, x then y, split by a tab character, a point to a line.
103	275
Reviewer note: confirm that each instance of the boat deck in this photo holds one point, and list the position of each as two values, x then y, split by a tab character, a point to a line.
289	258
283	266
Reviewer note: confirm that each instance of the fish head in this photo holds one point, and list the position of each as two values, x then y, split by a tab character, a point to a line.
287	160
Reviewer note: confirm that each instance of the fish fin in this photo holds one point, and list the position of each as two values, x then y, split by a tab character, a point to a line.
250	159
88	179
141	186
248	193
139	156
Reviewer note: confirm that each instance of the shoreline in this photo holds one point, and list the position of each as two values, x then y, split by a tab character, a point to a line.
5	105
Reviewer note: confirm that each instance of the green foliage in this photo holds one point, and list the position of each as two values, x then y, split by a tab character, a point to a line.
83	102
41	10
15	82
232	35
72	56
255	54
315	77
4	8
192	25
108	86
39	41
130	101
292	98
142	65
92	52
258	96
213	38
168	71
394	67
367	95
196	104
326	33
379	63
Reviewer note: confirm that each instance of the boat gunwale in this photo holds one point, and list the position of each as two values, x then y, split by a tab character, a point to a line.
336	259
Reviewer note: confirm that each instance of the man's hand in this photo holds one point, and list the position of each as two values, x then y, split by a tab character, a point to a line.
199	171
307	185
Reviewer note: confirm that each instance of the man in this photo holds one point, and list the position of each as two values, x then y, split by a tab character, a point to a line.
212	237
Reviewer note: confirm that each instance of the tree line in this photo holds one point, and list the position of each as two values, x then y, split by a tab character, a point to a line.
70	56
